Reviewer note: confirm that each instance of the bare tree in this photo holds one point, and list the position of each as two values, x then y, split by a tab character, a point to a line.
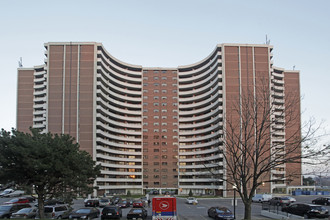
262	135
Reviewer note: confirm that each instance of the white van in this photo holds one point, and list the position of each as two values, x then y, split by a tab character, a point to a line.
261	197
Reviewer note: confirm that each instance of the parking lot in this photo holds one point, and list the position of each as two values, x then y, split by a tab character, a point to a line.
199	211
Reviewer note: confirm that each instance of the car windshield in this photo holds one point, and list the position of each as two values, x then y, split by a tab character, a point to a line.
25	210
83	211
223	210
191	198
4	208
137	211
13	200
104	200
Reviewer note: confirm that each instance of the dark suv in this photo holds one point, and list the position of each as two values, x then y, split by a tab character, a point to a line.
7	210
111	212
306	210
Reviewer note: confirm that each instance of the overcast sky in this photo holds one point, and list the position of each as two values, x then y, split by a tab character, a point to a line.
169	34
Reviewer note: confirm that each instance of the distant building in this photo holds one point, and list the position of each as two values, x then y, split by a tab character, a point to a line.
149	127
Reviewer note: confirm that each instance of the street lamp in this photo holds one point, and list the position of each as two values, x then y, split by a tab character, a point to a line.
234	188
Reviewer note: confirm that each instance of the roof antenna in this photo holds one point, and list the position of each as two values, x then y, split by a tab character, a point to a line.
20	62
267	41
294	66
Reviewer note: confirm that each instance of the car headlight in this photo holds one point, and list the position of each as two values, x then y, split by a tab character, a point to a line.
84	216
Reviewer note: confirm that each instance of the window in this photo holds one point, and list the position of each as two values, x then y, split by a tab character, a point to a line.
156	97
164	117
164	91
163	71
145	130
145	163
145	90
156	130
156	110
156	150
164	163
156	71
164	104
156	84
156	124
156	91
145	78
164	78
156	163
156	104
164	110
145	84
164	84
164	157
145	97
156	77
156	170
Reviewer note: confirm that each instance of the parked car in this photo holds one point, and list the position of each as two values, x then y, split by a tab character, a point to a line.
291	199
192	200
104	202
138	204
85	213
137	213
124	204
7	210
322	201
306	210
115	200
18	200
15	193
220	213
6	192
279	201
261	197
25	213
111	212
92	203
57	211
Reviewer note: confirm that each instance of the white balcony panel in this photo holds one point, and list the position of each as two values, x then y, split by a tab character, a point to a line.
200	110
120	187
117	95
193	85
201	187
201	159
200	138
201	124
111	79
120	137
126	90
196	180
200	152
110	158
119	117
119	131
200	117
210	70
112	165
199	131
137	73
136	126
122	145
121	180
120	173
201	166
199	145
194	71
119	152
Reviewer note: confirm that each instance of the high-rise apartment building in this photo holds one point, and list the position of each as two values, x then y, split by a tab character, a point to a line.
150	128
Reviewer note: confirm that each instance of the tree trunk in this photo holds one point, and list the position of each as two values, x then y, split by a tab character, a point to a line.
247	211
41	204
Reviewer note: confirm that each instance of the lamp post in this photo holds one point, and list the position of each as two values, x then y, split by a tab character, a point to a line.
234	188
